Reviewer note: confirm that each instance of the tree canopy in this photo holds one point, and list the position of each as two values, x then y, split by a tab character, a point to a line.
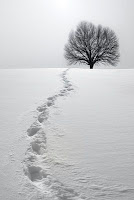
90	44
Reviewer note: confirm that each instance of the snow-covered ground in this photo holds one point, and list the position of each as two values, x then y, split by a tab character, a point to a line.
67	134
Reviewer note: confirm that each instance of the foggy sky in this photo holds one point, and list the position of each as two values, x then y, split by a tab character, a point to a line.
33	32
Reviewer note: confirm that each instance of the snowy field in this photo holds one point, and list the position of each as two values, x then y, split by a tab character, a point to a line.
67	134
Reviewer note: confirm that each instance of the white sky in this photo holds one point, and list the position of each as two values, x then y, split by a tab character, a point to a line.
33	32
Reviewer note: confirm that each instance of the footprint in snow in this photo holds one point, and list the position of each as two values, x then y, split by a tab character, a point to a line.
43	116
33	129
35	173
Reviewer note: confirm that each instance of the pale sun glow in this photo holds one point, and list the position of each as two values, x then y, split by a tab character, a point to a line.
62	4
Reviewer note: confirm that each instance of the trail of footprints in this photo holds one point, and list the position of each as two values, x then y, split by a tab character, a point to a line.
38	140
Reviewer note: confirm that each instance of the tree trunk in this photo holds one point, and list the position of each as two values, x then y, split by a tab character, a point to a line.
91	65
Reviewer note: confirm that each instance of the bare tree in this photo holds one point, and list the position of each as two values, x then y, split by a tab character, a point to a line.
91	44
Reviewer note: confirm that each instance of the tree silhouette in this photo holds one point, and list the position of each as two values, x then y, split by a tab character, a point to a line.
91	44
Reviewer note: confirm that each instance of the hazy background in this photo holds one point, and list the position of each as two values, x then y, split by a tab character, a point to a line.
33	32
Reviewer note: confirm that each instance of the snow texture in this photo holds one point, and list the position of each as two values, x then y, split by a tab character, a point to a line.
78	144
